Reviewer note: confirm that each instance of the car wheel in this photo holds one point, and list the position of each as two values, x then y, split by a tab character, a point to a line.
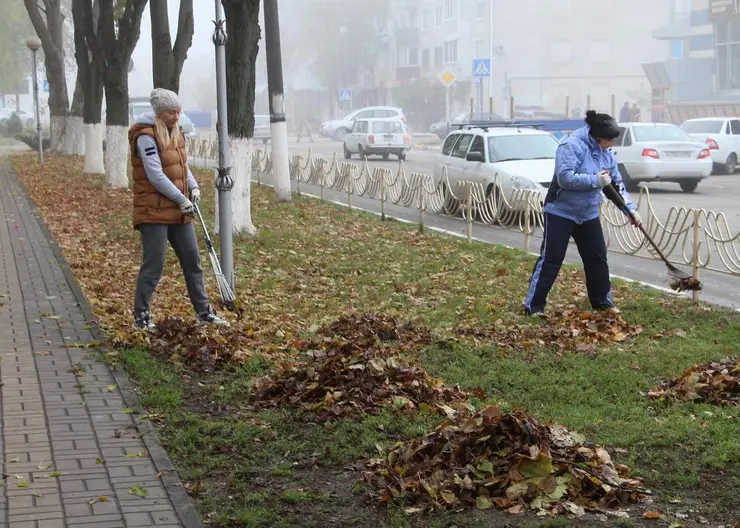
450	205
689	186
730	164
386	156
339	134
629	184
361	152
402	156
347	153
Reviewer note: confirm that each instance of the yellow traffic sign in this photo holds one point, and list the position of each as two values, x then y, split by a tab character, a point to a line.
447	78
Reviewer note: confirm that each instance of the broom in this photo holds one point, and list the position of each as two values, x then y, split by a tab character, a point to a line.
680	280
227	294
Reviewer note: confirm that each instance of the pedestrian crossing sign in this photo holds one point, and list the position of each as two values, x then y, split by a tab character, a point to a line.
345	95
481	67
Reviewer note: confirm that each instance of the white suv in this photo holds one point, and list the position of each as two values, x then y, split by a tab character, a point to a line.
722	137
338	128
381	137
524	158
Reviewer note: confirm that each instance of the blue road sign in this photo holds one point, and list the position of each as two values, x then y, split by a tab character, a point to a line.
45	85
481	67
345	95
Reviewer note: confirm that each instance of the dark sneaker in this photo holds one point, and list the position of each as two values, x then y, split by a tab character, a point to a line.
210	317
530	313
143	321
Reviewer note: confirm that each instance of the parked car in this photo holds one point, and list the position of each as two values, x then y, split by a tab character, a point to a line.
27	118
660	152
338	128
523	157
188	127
441	129
262	130
377	137
722	137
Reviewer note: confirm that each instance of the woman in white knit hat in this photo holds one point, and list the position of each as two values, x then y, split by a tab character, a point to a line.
164	193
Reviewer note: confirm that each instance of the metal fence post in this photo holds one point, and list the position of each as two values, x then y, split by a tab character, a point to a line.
349	190
695	257
469	213
527	224
421	208
382	197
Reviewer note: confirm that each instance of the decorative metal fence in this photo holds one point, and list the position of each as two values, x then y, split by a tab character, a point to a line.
696	238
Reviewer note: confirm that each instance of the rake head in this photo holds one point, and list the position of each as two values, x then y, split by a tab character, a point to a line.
681	281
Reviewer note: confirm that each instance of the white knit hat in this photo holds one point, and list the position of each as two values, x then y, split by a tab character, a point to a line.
163	100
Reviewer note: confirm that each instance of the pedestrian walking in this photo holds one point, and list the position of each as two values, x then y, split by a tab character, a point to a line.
584	165
625	114
164	193
635	113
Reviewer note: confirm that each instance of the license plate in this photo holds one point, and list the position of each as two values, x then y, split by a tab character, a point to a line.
679	154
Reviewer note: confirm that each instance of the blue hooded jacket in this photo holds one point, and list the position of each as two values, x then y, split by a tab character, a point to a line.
575	193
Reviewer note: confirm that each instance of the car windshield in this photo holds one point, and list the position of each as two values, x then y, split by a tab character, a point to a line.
659	133
702	127
522	147
387	127
141	108
186	123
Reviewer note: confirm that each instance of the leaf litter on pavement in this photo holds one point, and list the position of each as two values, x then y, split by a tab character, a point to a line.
495	459
572	329
717	382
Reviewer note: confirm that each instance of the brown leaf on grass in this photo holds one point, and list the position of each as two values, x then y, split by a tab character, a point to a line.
569	329
716	382
356	369
507	457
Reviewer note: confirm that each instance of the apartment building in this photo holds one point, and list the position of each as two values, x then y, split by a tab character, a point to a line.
542	52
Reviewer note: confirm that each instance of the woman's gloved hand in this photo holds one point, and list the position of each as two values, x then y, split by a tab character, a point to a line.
195	196
187	208
635	219
604	179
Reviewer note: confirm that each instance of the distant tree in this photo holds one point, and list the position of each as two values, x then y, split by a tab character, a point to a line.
111	42
15	64
167	60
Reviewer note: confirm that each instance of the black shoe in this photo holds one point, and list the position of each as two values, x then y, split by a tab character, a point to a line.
210	317
536	313
143	321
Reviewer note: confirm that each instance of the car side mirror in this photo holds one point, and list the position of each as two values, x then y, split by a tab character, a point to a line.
475	157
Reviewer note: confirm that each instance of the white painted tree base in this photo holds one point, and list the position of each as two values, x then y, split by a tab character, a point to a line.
280	161
116	155
73	138
94	160
241	195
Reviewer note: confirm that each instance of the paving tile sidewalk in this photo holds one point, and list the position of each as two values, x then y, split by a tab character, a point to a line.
61	408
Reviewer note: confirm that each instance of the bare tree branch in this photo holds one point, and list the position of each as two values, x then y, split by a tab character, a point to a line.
185	31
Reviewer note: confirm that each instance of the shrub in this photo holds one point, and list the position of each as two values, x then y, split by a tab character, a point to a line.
15	125
32	141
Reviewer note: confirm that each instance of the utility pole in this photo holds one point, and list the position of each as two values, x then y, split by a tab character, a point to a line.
278	126
224	180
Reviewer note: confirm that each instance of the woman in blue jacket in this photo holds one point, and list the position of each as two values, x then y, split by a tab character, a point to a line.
584	165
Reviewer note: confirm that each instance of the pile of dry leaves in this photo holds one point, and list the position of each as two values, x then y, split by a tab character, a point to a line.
717	383
569	328
506	460
354	367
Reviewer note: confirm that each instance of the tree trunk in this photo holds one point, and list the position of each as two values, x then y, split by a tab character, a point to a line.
167	61
74	136
242	46
116	127
49	26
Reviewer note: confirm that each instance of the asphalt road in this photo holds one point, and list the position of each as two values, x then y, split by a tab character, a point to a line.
716	193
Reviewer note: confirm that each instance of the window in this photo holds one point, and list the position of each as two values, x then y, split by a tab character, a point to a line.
383	113
364	114
726	53
426	20
560	51
703	126
449	143
388	127
620	138
522	147
413	57
601	51
480	10
425	60
479	145
451	52
461	147
450	9
660	133
735	127
438	17
438	51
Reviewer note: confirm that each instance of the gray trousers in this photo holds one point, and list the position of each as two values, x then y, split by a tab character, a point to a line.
154	239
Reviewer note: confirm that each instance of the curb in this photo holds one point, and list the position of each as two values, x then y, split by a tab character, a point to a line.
178	496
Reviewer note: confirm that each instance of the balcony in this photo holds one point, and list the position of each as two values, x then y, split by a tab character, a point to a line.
406	73
407	37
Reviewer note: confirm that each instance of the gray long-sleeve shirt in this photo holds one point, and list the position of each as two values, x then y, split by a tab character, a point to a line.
149	154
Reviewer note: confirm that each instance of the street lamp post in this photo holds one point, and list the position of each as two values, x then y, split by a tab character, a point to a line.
224	180
34	44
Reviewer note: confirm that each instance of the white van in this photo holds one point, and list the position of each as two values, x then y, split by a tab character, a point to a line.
377	137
